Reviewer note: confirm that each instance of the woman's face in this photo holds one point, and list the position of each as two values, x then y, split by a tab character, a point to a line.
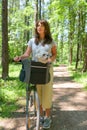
40	28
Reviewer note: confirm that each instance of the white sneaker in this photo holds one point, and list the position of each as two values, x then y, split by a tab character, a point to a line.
47	123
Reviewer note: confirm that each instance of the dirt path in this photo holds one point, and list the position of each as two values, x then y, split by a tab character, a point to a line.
69	106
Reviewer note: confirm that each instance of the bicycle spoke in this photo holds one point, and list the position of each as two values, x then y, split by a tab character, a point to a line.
32	117
38	110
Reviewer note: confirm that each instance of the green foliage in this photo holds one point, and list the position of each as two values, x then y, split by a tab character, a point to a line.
64	19
10	91
0	29
28	11
81	78
78	75
18	28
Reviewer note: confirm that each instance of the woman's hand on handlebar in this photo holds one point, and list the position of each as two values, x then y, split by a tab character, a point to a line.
17	58
49	60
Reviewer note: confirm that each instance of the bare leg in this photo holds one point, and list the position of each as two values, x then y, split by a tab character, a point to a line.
41	110
47	112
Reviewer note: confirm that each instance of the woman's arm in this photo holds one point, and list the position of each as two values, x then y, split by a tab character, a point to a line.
54	54
25	55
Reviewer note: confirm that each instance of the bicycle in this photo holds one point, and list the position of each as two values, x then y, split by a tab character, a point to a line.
34	73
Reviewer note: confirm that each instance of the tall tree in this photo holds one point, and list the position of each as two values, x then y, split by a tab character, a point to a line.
40	9
5	55
71	32
36	11
43	4
26	32
85	55
84	22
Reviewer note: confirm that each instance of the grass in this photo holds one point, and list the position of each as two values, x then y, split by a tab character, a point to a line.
10	91
79	76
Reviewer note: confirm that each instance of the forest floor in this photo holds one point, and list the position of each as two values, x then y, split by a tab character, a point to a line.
69	110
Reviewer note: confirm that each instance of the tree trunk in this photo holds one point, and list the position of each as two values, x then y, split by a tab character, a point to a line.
39	9
5	55
36	11
26	33
84	19
42	9
79	42
77	56
85	55
71	32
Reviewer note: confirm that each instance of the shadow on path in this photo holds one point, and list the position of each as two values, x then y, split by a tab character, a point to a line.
69	109
69	120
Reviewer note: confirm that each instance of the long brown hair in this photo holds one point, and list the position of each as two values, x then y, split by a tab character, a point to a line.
48	38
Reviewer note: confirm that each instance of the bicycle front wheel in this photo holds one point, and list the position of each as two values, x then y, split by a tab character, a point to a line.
32	112
37	110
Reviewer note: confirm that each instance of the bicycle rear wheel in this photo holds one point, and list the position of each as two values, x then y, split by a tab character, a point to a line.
32	111
37	110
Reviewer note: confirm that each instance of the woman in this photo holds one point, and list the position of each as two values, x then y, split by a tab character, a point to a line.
44	42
